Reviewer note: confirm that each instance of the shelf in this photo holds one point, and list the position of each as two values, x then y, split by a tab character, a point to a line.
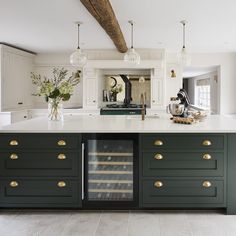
108	172
114	154
115	163
109	181
110	191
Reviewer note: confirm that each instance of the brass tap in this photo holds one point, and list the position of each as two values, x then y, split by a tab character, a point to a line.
143	107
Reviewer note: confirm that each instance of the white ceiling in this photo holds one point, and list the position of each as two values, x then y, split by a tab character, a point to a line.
48	25
191	71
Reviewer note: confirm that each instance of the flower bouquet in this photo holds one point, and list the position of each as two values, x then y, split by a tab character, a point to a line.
55	90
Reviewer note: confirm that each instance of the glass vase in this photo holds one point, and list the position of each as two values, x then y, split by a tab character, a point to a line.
55	110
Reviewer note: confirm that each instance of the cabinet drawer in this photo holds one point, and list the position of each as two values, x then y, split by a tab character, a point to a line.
183	141
182	164
46	192
171	191
40	141
39	163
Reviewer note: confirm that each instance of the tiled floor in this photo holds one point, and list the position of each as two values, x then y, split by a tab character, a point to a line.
177	223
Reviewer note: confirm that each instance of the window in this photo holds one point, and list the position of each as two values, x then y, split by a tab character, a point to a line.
203	93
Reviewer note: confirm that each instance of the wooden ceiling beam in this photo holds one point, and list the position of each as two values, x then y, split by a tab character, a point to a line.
102	11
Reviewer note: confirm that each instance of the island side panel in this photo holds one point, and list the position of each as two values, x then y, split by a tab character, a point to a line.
231	175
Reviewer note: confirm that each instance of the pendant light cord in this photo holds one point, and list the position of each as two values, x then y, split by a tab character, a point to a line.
78	37
132	35
184	34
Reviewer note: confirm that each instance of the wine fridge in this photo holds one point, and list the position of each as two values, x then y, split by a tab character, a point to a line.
110	173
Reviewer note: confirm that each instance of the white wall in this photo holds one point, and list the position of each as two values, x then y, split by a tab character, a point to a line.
173	84
227	76
213	85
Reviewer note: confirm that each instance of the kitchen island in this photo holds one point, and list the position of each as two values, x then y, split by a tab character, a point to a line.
78	123
119	162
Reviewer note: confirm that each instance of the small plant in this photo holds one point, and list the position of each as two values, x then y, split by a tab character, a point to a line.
117	89
56	89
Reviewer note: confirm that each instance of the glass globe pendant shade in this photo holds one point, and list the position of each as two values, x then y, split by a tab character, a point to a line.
78	58
132	57
184	57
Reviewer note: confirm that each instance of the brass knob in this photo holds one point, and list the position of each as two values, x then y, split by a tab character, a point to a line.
158	156
14	184
61	184
206	156
158	184
206	143
158	143
13	143
13	156
61	143
206	184
61	156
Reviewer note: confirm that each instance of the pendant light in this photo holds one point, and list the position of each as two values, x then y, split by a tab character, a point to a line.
78	58
131	56
184	57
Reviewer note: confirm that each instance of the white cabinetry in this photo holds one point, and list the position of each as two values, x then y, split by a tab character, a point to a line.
157	88
90	83
19	116
156	92
16	85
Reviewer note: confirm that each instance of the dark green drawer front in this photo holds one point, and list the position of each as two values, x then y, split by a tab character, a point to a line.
39	192
182	164
182	192
38	141
182	141
39	163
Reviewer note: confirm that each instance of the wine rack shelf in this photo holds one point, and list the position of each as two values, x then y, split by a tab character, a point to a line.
118	163
110	191
107	172
110	170
118	154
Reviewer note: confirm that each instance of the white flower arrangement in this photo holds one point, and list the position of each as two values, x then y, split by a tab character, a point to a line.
57	89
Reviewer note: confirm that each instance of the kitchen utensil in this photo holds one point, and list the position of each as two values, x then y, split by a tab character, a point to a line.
175	109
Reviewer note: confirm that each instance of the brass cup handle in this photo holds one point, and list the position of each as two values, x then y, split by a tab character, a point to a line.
158	156
61	156
13	143
61	143
158	143
61	184
206	184
14	184
14	156
206	156
206	143
158	184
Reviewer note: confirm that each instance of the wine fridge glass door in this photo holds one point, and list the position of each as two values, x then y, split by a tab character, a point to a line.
110	170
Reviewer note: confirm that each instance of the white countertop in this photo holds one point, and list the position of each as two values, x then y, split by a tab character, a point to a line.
121	124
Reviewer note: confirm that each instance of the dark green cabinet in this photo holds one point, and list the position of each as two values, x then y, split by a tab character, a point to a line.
175	171
183	170
183	141
23	192
39	141
40	170
165	163
195	192
41	163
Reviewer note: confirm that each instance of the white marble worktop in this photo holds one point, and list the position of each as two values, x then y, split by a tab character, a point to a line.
121	124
